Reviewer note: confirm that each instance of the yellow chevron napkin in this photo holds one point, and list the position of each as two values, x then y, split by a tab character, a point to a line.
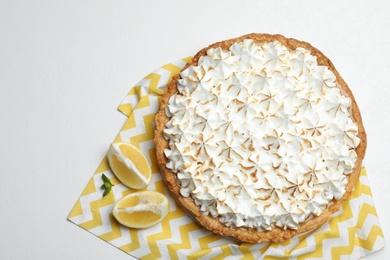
352	233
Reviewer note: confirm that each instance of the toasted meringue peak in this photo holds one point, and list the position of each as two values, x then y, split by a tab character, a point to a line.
260	135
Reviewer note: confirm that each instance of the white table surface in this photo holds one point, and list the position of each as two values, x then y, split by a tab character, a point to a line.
66	65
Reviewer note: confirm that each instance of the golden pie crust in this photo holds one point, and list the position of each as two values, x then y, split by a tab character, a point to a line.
247	234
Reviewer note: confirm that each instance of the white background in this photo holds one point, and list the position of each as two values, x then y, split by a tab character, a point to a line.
66	65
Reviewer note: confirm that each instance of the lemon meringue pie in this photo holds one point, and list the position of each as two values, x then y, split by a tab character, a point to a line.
259	138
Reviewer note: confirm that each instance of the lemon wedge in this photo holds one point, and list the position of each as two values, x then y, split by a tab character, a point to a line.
129	165
141	209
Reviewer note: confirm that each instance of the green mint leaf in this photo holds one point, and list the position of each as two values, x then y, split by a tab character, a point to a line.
105	179
106	191
107	185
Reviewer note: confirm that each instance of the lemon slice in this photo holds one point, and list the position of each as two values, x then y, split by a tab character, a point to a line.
129	165
141	209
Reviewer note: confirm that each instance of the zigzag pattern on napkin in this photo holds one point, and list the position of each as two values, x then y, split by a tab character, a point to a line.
353	231
153	84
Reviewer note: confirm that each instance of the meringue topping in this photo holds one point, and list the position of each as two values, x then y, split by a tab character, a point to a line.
260	135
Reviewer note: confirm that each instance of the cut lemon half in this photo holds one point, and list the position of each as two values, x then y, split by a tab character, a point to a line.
141	209
129	165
